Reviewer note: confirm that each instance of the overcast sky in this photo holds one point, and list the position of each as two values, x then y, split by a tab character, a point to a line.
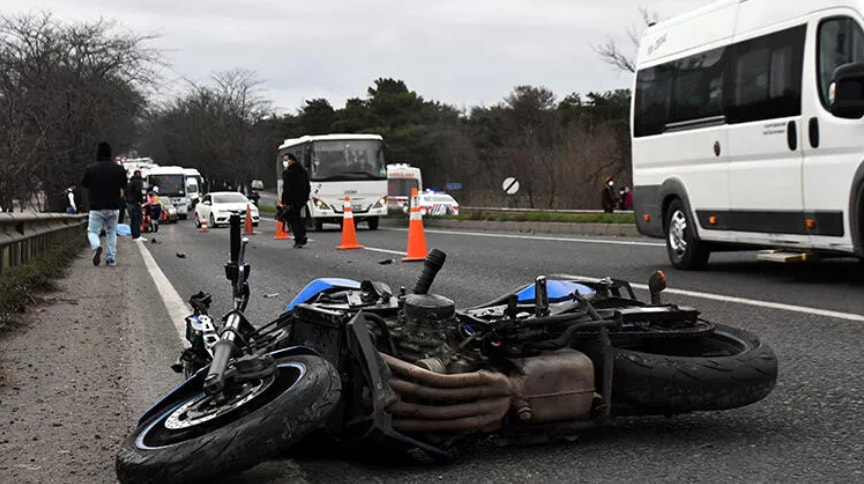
462	52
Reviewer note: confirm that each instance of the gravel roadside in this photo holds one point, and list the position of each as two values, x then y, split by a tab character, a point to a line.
85	364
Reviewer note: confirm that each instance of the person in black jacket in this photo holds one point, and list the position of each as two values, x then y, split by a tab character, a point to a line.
105	182
295	194
134	201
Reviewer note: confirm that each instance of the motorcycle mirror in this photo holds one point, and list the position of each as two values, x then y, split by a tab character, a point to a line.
656	285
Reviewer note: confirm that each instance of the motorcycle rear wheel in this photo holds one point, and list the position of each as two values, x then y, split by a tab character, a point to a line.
725	369
191	440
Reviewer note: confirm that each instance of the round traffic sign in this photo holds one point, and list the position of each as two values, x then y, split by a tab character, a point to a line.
510	185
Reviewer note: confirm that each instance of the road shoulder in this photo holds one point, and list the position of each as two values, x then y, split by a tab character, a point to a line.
82	368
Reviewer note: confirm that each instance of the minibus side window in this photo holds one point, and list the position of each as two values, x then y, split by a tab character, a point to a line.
840	42
766	77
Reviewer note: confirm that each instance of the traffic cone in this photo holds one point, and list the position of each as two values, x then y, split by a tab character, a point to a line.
416	237
203	226
349	234
248	228
281	233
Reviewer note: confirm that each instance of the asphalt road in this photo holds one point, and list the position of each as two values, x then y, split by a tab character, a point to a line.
808	429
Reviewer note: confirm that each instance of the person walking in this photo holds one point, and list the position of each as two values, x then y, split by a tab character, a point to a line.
295	194
71	206
608	200
134	201
105	182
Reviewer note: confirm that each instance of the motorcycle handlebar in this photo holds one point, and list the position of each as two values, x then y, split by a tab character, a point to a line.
433	263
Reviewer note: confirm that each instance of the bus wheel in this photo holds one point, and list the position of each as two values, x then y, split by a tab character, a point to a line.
685	251
373	223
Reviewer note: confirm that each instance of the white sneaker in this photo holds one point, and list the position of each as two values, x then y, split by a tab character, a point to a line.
140	239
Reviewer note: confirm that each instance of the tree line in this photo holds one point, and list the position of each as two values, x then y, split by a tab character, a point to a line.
64	87
559	150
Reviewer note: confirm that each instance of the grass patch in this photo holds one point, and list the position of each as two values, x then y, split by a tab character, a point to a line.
577	218
266	209
17	284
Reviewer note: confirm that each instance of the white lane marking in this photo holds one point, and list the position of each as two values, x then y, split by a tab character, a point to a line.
755	302
177	308
537	237
386	251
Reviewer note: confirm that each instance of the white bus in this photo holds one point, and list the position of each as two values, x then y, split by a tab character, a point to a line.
194	187
171	181
401	179
738	140
341	165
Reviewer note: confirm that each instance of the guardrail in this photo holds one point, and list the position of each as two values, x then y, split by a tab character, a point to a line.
24	236
533	210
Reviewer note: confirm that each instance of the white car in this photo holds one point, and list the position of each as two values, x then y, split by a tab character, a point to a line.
436	204
217	207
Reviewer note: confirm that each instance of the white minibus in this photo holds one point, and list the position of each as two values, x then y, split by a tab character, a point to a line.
747	129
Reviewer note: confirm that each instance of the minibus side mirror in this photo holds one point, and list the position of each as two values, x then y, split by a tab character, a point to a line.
847	91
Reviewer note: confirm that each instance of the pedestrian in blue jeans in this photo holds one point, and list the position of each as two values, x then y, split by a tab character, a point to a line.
105	181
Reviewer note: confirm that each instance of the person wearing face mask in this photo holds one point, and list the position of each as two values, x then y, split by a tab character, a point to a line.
295	194
608	199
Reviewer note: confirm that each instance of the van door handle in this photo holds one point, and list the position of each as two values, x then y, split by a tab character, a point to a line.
813	129
792	136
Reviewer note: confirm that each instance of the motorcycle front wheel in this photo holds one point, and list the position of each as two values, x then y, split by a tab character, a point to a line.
197	437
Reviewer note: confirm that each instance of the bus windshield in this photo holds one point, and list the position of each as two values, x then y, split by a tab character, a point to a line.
401	187
169	185
348	160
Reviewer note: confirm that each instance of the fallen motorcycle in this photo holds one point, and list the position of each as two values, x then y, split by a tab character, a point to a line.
356	363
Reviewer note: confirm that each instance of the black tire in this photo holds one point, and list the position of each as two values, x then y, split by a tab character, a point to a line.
685	251
319	225
292	406
211	222
373	223
728	368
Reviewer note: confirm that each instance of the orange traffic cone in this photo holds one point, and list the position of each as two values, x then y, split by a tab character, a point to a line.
203	226
349	234
281	233
248	228
416	237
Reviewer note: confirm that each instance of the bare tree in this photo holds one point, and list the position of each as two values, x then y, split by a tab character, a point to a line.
64	88
625	59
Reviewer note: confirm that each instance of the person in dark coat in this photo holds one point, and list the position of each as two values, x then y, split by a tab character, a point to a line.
134	201
105	182
608	200
295	194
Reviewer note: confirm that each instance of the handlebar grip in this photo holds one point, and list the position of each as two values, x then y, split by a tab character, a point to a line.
234	222
433	263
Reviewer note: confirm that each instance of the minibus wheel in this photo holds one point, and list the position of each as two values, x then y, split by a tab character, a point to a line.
685	251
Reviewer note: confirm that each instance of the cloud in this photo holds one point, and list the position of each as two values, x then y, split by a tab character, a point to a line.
463	52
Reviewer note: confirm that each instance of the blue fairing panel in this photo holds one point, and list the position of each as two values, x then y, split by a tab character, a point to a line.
318	286
557	290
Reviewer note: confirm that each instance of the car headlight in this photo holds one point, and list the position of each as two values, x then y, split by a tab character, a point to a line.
382	202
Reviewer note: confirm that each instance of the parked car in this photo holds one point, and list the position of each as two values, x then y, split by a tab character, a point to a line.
436	204
217	207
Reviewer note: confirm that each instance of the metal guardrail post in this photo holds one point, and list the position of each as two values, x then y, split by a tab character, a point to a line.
25	236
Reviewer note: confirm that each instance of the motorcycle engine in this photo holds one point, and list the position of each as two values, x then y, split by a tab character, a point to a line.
428	335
